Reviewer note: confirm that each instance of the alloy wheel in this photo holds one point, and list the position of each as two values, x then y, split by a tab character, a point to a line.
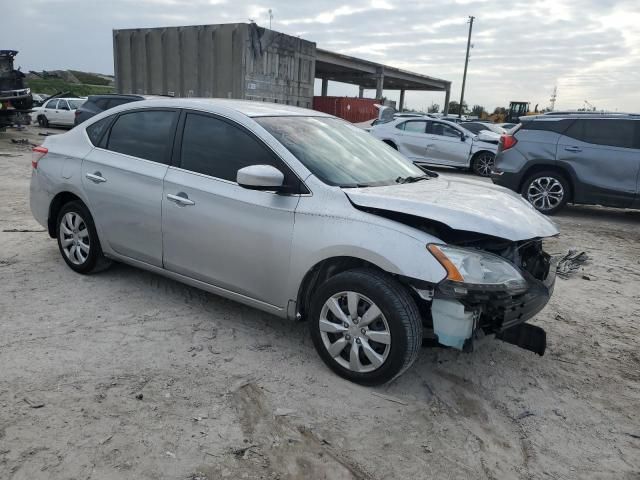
355	332
483	164
545	193
74	238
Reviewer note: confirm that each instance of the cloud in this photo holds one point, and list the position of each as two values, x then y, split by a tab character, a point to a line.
590	49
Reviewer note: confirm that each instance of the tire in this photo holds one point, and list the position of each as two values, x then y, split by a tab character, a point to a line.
482	163
557	191
78	240
398	326
42	121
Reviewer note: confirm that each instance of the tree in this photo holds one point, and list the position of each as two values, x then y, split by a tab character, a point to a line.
433	108
478	111
500	111
454	108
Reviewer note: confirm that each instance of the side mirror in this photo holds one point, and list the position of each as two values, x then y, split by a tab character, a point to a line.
260	177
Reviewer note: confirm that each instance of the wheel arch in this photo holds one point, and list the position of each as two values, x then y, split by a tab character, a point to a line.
566	173
391	143
60	200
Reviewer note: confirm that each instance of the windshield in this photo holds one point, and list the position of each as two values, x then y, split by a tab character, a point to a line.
75	104
339	153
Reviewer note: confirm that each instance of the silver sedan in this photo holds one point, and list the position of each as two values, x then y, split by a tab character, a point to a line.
301	215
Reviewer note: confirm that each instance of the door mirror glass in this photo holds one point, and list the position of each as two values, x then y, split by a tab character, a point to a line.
260	177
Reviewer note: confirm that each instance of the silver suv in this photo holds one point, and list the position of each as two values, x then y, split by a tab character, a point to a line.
586	158
301	215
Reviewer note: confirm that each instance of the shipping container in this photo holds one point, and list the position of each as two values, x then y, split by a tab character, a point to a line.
226	61
355	110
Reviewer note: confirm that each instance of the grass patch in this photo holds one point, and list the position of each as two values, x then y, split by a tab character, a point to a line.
55	85
90	78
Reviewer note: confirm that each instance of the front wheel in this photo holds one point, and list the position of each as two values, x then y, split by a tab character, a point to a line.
548	191
365	326
42	121
482	163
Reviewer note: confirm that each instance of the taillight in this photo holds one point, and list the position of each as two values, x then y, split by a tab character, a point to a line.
36	154
507	142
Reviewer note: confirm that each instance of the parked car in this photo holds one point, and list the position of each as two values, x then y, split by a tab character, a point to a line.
507	126
477	127
573	158
99	103
430	141
57	111
302	215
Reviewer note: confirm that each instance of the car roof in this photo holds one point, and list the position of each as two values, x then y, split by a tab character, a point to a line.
581	115
244	107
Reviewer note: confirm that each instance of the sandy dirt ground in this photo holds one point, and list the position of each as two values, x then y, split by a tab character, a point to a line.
125	374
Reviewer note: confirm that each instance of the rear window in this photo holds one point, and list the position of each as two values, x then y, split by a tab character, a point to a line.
145	134
610	132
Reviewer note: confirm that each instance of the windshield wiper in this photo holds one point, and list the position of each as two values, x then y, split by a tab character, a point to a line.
412	179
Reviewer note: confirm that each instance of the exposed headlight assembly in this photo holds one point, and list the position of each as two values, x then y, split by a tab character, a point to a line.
477	270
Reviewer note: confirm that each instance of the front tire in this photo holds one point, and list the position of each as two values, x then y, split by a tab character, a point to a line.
547	191
78	240
365	326
42	121
482	163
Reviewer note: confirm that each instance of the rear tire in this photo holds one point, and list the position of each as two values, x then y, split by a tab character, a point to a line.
78	239
548	191
482	163
383	331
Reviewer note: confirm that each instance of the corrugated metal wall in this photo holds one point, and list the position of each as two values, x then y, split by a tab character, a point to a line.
228	61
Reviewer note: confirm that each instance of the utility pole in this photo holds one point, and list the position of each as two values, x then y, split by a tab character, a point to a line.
270	18
466	62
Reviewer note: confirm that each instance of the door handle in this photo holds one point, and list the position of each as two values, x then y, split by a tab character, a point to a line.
96	177
181	199
573	149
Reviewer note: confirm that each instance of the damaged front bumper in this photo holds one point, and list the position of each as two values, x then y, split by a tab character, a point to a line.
461	316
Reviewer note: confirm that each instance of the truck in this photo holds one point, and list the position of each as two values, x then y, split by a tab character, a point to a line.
16	101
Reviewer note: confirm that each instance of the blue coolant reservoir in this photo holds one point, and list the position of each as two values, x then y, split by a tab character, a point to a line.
451	323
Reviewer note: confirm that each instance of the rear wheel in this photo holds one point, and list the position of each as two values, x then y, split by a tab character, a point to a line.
482	163
365	326
78	240
547	191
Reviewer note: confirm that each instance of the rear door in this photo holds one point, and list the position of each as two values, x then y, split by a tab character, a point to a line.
123	181
605	159
216	231
446	145
414	139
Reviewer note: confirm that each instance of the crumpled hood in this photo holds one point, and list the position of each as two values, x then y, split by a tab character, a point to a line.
462	205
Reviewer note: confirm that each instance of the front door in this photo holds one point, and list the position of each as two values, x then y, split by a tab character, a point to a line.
216	231
123	182
446	145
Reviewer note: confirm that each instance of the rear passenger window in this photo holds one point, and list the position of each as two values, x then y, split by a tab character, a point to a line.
550	125
95	131
614	133
416	127
219	149
144	134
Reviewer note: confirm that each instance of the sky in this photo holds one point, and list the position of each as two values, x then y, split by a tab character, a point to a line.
588	49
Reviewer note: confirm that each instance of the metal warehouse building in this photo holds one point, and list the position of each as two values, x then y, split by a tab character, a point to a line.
243	60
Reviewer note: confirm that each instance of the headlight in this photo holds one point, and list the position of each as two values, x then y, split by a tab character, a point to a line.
477	270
